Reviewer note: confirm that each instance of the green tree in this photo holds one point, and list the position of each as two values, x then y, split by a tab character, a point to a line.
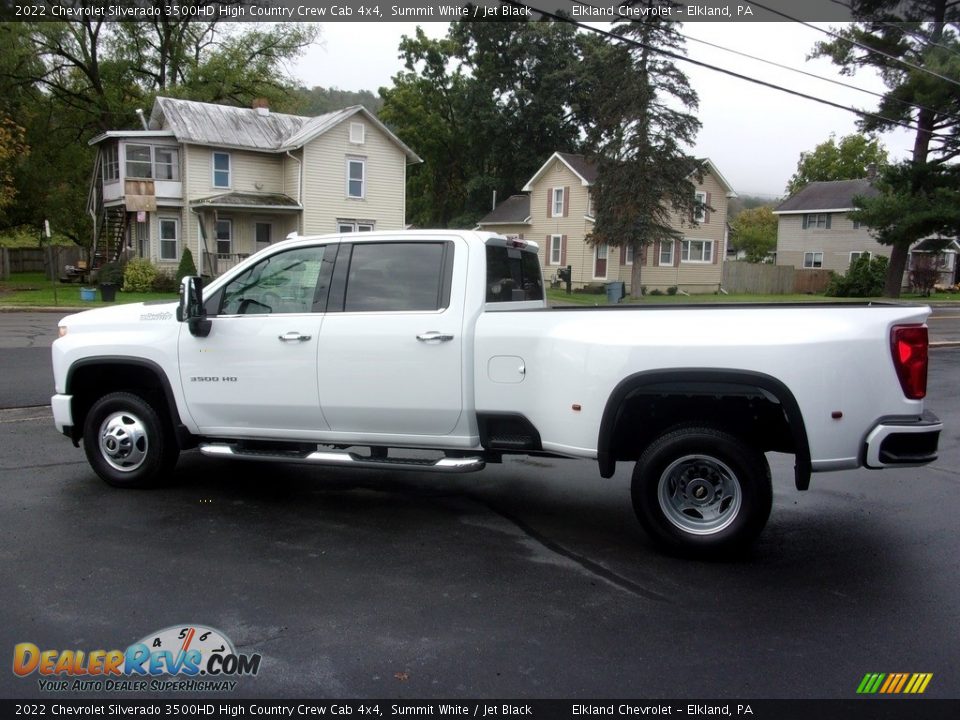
849	159
638	108
12	148
755	233
925	93
484	107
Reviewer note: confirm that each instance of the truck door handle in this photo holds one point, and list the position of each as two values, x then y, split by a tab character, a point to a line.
434	336
293	336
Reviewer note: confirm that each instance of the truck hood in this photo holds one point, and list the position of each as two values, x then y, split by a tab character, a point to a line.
123	316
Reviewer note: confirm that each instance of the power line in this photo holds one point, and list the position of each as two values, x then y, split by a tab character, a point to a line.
860	45
708	66
813	75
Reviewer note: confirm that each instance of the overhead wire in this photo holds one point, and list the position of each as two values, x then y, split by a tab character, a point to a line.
699	63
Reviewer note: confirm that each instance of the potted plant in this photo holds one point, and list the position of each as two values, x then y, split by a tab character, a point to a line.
110	279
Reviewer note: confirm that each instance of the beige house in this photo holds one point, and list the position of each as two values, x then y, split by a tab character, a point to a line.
228	181
556	212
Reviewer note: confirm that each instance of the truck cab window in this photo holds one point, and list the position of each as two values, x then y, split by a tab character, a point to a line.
512	275
398	277
287	282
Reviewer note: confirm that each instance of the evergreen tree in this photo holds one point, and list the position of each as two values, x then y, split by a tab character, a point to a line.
637	106
913	45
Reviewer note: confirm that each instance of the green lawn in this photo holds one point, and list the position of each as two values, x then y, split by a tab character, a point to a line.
560	297
33	289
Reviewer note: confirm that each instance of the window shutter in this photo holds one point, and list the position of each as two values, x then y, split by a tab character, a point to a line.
623	254
716	251
804	225
706	212
566	201
643	255
677	251
563	250
549	202
549	254
829	215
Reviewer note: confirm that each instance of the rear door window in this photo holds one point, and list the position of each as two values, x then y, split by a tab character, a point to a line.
397	277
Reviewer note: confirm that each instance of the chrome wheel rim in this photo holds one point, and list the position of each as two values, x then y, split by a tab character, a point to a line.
123	441
699	494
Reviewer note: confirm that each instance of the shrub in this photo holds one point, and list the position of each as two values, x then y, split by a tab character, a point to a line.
186	267
139	275
672	290
865	278
164	283
656	291
110	273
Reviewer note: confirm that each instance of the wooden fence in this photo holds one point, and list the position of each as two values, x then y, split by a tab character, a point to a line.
50	260
762	279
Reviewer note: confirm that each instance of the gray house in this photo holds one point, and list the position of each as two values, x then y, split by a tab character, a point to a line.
227	181
814	231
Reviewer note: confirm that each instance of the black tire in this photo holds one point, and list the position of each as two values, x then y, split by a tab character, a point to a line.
701	492
127	443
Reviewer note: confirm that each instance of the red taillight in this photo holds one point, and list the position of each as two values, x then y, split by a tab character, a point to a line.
909	346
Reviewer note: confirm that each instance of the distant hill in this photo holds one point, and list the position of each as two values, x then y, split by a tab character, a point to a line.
746	202
319	100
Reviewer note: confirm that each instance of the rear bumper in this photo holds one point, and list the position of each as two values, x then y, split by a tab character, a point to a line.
903	442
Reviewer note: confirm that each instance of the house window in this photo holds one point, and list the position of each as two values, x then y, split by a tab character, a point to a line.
166	163
224	234
813	260
356	178
854	256
169	238
820	221
700	210
590	209
556	249
628	255
856	224
696	251
556	205
346	226
357	133
221	170
666	253
111	163
139	161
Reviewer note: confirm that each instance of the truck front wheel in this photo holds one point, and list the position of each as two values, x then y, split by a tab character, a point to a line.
702	492
127	442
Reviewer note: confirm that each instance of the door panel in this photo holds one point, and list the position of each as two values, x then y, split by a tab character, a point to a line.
391	359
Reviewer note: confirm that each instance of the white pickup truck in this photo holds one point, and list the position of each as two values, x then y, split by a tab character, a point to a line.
355	350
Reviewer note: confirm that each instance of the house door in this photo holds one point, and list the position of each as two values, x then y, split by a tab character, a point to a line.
600	262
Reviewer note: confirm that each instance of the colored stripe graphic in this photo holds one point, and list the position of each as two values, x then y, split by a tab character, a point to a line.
894	683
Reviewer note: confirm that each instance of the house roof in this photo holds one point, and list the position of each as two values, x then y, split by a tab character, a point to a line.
248	201
832	195
936	244
515	210
251	129
586	170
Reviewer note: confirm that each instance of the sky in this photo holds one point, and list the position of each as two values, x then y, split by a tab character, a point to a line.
754	135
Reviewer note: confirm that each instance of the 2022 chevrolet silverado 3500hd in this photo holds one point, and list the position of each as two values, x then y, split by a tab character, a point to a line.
348	350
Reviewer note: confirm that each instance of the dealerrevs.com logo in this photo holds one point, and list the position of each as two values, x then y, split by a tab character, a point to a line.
178	658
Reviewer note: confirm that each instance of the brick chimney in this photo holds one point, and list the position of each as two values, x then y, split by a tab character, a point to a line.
261	105
872	172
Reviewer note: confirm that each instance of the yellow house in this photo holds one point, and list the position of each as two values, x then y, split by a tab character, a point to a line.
227	181
556	212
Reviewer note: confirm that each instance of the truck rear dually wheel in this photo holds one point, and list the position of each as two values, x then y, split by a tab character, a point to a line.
702	492
127	443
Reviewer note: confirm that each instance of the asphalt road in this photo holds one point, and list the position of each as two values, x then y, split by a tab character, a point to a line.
528	580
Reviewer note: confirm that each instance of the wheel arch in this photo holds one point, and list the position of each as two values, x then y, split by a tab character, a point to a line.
91	378
718	383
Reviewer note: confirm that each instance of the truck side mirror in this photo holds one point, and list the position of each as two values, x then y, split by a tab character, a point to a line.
191	309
